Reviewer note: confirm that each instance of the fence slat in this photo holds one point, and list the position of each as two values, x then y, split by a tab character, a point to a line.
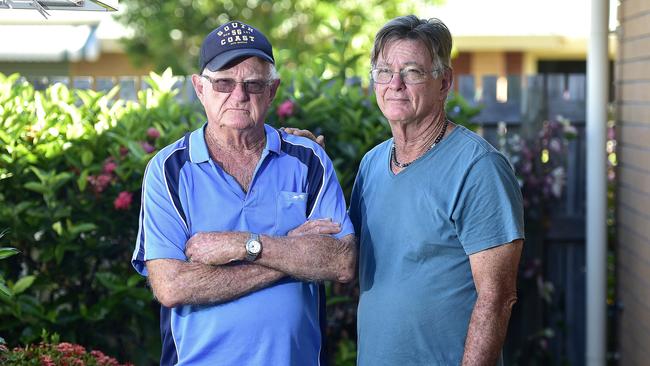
128	88
82	82
466	88
104	84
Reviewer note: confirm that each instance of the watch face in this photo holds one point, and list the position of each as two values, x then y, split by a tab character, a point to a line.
253	246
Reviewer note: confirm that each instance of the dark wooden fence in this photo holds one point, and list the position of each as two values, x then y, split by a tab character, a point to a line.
556	327
559	326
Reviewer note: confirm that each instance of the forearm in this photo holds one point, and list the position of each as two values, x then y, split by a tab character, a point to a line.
301	255
311	257
177	282
487	330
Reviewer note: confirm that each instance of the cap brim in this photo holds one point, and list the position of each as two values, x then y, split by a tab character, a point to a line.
218	62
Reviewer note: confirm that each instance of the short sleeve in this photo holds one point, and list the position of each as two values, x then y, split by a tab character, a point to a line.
355	199
489	208
330	202
162	229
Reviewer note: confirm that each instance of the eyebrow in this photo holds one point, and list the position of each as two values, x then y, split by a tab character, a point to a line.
408	63
254	78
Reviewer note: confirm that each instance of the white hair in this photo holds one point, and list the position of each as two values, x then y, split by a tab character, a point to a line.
273	72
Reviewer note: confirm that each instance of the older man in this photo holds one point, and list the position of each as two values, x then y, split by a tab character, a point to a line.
230	222
439	215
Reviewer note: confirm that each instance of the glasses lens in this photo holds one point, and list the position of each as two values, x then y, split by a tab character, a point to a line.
381	76
224	85
413	76
254	86
228	85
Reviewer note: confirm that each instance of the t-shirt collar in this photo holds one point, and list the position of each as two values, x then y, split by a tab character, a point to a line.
199	149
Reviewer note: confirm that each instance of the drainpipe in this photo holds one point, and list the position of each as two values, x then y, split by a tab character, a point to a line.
597	100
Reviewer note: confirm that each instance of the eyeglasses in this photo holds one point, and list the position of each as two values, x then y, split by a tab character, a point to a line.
228	85
409	75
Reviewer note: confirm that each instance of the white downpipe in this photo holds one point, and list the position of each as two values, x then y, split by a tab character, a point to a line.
597	99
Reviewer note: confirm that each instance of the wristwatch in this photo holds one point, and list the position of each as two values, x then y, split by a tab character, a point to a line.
253	247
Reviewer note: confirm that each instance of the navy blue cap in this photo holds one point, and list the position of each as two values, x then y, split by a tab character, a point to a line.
231	41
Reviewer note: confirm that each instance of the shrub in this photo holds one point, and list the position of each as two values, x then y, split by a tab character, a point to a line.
71	165
50	353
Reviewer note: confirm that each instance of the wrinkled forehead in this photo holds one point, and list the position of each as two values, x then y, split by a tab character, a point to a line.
245	67
404	51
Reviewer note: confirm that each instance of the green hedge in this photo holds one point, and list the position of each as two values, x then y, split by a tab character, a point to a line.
71	165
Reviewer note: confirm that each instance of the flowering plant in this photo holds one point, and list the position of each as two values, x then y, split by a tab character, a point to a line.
71	166
540	163
50	352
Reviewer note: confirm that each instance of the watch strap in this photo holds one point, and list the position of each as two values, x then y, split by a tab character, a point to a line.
250	256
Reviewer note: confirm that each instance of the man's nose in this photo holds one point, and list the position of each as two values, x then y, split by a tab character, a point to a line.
396	81
239	92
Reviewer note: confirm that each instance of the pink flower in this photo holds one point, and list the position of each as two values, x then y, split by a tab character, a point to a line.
147	147
70	349
123	151
109	167
611	133
611	176
123	201
99	184
153	133
285	109
47	361
97	354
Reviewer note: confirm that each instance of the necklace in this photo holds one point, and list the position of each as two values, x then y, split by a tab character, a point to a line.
393	154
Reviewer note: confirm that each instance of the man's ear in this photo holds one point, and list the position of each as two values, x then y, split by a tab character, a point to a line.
198	87
274	89
446	83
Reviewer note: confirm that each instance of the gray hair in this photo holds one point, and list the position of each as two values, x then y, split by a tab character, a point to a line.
433	33
273	72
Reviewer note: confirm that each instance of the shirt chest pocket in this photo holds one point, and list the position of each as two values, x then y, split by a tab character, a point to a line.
291	211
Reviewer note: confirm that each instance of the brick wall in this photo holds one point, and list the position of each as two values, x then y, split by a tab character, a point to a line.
633	206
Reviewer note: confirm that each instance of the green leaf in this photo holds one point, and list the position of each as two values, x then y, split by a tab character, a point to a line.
81	228
59	252
59	180
313	104
134	280
41	174
23	284
108	280
82	181
37	187
22	206
5	291
58	228
338	300
86	157
8	252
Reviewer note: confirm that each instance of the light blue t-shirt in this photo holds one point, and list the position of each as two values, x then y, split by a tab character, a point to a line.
416	232
185	192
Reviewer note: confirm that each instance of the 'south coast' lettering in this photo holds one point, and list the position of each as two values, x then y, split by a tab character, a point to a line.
234	35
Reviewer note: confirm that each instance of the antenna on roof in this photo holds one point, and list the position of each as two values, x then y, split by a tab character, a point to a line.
42	6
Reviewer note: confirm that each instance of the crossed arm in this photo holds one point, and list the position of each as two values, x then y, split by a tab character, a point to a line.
495	276
215	273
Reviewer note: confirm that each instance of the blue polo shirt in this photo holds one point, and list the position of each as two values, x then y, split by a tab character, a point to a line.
185	192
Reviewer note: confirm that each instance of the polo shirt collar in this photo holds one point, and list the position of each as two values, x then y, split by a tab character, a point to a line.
199	149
